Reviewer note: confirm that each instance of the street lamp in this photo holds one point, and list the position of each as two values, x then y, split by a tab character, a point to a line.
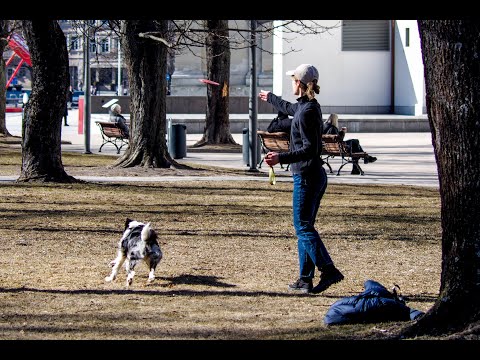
253	108
119	66
86	81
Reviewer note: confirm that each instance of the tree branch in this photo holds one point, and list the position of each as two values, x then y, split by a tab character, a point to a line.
150	36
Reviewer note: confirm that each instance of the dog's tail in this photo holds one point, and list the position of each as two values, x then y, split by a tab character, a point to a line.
146	232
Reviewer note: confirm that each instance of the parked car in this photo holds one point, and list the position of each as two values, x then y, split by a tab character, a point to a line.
75	96
14	97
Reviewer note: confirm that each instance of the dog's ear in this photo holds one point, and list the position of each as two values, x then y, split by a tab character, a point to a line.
127	222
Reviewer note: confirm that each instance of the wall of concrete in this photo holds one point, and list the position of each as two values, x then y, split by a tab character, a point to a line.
183	104
354	123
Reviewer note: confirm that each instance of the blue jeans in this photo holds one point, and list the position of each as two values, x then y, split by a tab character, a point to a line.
308	191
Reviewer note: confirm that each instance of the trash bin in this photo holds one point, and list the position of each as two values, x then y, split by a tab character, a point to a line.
177	142
246	148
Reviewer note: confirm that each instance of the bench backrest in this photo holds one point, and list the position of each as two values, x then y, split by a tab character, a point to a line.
276	141
331	145
111	129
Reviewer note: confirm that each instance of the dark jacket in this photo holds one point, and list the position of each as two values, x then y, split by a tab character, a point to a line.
122	123
305	136
375	304
330	129
281	123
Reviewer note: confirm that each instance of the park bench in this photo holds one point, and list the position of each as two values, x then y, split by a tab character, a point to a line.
112	134
333	147
273	141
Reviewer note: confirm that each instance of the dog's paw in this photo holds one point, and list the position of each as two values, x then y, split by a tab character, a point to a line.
109	278
150	279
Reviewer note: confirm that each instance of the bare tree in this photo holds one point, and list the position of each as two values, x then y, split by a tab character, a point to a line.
41	131
146	63
217	123
145	56
219	37
450	51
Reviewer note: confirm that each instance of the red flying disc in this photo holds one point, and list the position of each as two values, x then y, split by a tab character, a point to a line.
206	81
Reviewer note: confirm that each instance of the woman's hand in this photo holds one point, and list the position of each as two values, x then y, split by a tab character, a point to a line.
272	158
263	95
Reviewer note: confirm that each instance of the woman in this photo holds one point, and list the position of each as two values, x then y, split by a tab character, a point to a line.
331	127
309	177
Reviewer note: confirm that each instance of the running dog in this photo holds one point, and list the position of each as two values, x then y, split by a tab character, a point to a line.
139	242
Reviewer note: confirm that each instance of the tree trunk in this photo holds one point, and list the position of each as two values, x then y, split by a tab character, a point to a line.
3	82
217	126
146	64
450	50
41	131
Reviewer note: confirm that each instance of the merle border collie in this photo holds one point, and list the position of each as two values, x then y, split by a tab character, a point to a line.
139	242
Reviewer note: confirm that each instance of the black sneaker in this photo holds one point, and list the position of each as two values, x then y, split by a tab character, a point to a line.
369	159
327	279
301	286
355	171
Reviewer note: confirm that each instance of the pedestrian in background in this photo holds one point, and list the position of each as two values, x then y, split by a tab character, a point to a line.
117	117
352	145
68	105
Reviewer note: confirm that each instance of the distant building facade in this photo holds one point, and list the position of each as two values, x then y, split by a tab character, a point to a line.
190	66
365	66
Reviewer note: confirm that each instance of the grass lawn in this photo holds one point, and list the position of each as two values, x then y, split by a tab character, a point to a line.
229	253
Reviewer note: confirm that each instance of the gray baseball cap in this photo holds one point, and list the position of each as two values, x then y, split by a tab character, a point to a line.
305	73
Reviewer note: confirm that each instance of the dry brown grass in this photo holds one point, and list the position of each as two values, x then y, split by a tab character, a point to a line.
229	253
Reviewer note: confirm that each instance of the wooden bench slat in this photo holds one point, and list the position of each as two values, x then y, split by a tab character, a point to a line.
276	141
112	134
333	146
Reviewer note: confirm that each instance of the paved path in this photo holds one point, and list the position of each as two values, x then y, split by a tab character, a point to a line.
403	158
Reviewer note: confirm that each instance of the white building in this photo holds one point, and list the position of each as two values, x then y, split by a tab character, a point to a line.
365	66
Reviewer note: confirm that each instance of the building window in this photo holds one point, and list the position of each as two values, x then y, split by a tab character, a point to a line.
93	45
407	37
104	45
365	35
74	42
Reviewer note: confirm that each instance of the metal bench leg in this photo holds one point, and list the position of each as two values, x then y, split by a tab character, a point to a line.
331	171
340	168
260	163
123	143
109	142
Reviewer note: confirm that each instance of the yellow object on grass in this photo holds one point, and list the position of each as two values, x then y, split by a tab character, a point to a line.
271	176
